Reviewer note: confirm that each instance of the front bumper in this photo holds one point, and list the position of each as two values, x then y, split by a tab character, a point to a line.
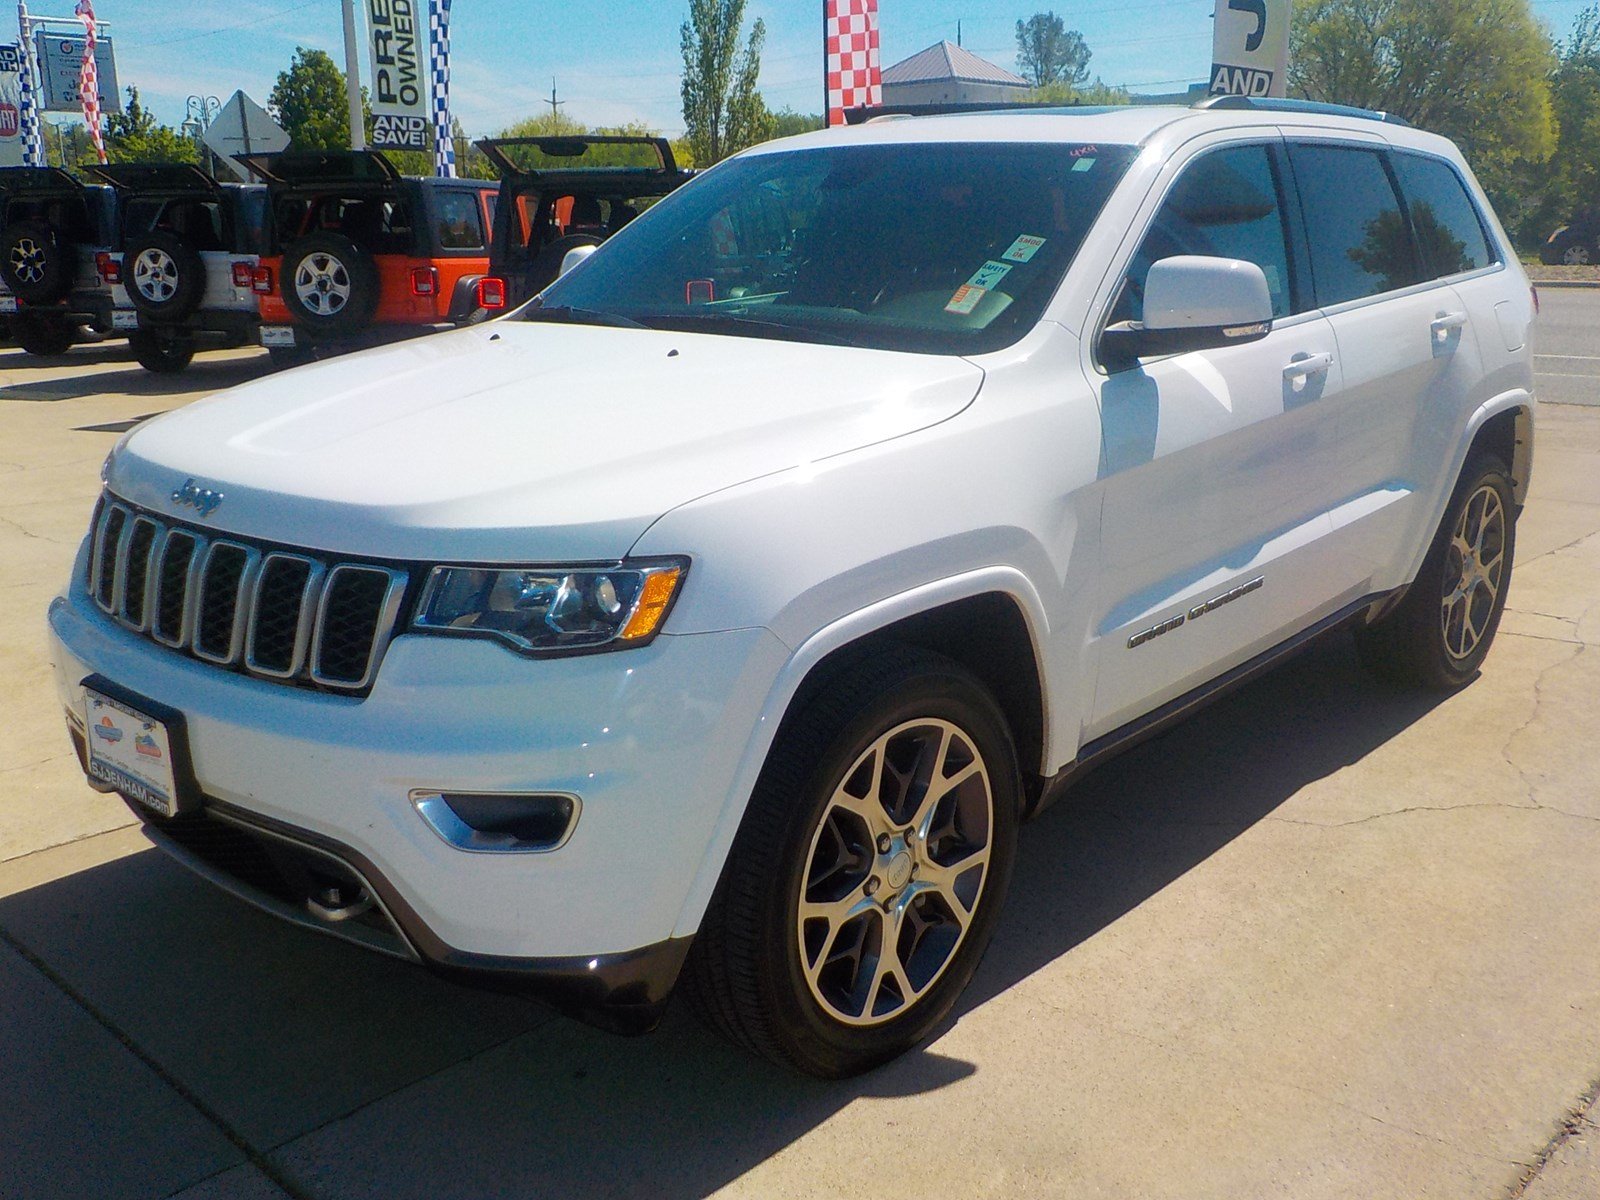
649	739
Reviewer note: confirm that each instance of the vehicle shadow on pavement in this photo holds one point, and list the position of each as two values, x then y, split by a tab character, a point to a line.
65	377
354	1075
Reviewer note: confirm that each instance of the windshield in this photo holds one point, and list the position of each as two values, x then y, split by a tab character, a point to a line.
933	247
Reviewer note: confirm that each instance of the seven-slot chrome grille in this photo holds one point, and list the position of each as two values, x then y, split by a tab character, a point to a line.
278	614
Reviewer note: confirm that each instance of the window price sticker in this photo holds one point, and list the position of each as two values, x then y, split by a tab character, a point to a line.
965	300
1024	248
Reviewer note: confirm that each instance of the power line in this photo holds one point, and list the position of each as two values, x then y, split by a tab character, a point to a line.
195	37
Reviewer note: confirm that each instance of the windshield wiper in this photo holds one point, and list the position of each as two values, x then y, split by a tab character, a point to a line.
581	316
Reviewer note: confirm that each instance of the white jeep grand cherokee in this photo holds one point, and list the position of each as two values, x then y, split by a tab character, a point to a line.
721	613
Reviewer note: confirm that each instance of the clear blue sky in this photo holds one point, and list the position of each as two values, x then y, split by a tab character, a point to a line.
618	60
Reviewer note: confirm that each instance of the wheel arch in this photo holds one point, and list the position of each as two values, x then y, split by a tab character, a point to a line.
1006	654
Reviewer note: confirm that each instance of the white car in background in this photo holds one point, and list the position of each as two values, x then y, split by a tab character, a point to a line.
723	612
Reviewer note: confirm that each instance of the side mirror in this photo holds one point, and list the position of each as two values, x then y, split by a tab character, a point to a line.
575	256
1192	302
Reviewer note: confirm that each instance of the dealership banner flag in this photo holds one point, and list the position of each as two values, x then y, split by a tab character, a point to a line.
444	142
89	78
27	99
400	116
855	77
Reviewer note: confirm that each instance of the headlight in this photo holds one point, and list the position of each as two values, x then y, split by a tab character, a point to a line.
552	609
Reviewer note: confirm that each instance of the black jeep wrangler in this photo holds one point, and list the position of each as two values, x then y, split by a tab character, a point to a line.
54	235
558	194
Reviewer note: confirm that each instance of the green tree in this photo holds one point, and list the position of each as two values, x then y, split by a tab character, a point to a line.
1048	52
1572	177
1474	70
787	122
310	99
722	110
134	135
1097	92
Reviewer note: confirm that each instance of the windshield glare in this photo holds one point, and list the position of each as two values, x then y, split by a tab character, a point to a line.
933	247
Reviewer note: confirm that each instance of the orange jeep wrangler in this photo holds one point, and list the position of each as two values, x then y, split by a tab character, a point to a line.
360	255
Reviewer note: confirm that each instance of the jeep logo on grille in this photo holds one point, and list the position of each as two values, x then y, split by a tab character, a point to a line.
201	499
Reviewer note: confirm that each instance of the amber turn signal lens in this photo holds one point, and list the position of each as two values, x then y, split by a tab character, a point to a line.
652	606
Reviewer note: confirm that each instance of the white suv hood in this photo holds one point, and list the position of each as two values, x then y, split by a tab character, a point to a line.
523	442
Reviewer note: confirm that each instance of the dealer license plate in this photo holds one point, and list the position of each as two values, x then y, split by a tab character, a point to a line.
131	752
277	335
8	305
124	318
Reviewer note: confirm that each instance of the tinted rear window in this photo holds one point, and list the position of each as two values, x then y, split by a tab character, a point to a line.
1360	240
1449	231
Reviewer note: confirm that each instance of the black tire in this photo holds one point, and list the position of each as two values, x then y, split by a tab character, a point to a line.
36	262
160	353
42	335
164	275
284	357
748	970
340	279
1424	642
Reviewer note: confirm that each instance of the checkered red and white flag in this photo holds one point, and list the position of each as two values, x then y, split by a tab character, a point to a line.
854	76
89	77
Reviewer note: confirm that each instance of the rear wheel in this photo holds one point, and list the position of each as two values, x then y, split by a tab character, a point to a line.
36	262
330	284
868	873
45	336
164	275
1440	633
163	354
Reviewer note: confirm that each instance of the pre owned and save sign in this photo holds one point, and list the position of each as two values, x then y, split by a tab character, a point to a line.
1250	48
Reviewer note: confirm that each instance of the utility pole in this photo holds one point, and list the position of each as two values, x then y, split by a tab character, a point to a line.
555	106
352	78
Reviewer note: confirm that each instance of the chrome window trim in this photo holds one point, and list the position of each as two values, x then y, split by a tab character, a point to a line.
241	602
310	605
383	630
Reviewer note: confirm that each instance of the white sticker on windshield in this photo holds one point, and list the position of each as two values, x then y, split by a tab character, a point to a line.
965	300
989	274
1023	249
1082	164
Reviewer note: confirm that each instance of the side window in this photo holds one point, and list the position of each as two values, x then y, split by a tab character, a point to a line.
1448	230
1226	204
1360	241
459	221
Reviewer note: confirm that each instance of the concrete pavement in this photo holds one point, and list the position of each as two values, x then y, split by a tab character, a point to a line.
1325	940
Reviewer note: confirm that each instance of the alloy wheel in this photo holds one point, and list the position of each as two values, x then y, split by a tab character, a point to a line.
1474	569
895	872
322	284
27	260
155	274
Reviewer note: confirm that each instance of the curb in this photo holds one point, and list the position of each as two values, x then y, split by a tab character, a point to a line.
1564	283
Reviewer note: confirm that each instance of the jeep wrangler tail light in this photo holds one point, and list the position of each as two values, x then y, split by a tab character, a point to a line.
491	292
261	281
244	274
110	268
424	281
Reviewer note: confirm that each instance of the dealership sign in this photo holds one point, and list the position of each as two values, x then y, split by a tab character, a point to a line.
1250	48
401	118
11	106
61	67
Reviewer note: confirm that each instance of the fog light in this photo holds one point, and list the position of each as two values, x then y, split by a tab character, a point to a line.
500	822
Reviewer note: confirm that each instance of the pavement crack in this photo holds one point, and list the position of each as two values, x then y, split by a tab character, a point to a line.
1575	1122
37	762
101	1018
28	533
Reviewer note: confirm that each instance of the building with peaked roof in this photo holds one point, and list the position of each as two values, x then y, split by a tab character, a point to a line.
945	73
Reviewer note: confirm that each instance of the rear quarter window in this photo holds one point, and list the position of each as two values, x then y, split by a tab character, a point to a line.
1448	228
1359	237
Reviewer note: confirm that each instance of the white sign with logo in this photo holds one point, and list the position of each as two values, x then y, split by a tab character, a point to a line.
243	127
400	115
1250	48
11	106
61	61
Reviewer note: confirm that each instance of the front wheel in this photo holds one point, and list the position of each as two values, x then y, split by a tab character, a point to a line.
869	871
1439	635
160	354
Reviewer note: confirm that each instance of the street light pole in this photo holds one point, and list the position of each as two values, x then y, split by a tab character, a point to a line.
352	78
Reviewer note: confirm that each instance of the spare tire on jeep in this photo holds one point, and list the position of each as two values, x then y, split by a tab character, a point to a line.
164	275
36	262
330	284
